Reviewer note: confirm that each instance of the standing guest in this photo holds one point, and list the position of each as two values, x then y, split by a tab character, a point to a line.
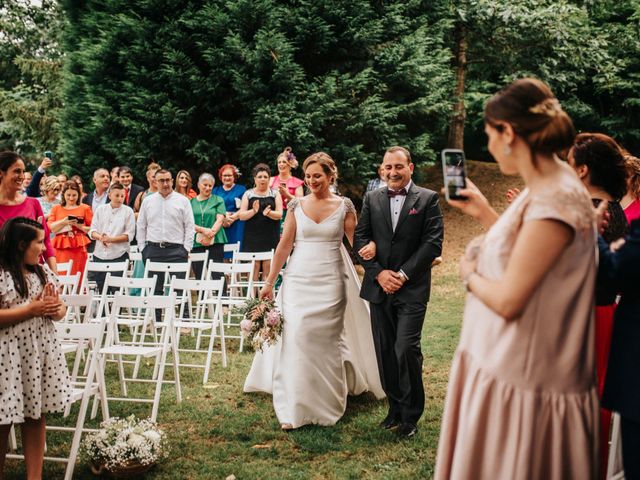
114	175
184	183
261	210
285	183
113	228
378	182
33	190
50	191
131	190
621	268
62	179
208	214
231	192
599	162
522	400
165	226
631	200
70	221
35	379
78	180
152	168
100	195
405	223
15	204
26	182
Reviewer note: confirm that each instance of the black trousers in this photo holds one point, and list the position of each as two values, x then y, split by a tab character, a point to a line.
630	431
169	254
99	277
216	253
397	328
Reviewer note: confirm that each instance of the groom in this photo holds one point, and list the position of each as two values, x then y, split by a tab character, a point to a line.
405	222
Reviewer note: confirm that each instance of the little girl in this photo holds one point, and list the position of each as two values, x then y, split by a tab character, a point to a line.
33	373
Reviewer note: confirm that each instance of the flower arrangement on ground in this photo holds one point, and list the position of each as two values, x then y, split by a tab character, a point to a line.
125	443
262	323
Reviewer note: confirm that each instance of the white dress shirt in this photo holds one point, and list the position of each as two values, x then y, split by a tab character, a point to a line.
113	222
166	219
396	204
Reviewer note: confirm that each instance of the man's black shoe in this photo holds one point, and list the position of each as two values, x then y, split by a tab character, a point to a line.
407	430
390	423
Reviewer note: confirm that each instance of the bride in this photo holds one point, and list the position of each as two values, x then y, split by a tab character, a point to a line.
326	350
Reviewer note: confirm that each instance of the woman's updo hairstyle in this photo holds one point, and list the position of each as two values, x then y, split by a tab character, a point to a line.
535	115
261	167
326	163
605	160
290	158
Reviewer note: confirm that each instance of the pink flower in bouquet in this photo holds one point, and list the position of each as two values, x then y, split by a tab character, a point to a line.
245	326
273	318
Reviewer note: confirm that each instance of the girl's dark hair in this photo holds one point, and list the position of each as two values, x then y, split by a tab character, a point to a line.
15	236
605	160
8	158
70	185
535	115
261	167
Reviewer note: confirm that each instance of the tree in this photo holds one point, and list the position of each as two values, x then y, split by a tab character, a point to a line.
196	83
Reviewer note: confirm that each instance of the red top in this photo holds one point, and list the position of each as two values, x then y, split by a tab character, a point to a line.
632	212
30	208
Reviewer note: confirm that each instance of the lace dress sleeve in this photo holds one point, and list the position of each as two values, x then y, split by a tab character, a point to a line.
349	206
293	204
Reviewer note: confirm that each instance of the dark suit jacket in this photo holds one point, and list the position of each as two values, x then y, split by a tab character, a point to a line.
88	200
417	240
133	193
621	270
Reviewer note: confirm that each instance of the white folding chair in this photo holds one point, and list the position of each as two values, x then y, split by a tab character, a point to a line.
252	258
64	268
103	267
615	470
200	257
69	284
239	286
205	316
231	247
167	342
169	270
84	335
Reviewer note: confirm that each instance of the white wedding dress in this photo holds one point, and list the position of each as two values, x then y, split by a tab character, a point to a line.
326	350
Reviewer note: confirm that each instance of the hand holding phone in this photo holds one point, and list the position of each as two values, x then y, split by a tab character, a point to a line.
453	171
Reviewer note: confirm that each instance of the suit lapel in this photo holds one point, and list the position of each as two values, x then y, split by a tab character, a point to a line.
385	208
410	201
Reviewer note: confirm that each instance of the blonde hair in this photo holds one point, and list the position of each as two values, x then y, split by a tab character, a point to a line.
49	183
326	163
633	171
289	157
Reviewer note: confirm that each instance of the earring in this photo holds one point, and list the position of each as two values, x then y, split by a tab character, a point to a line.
506	150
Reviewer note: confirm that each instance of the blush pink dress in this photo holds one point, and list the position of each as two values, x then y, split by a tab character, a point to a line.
522	401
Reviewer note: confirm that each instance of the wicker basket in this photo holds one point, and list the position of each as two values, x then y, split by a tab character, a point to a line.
129	470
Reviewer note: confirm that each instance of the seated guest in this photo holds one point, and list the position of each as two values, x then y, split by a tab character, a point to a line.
622	384
131	190
231	192
50	191
70	221
631	200
184	183
208	215
113	228
261	210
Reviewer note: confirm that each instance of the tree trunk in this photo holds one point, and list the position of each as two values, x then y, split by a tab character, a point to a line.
456	126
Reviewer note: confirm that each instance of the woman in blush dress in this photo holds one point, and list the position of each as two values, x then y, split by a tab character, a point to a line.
326	350
285	183
231	192
522	400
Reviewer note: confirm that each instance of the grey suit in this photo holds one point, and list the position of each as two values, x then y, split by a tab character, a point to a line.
397	319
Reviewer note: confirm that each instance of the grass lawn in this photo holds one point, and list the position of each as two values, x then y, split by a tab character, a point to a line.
218	431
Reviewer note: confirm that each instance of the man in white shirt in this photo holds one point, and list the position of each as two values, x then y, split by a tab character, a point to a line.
165	226
113	228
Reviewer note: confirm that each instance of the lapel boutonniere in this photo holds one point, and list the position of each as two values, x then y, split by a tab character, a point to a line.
413	211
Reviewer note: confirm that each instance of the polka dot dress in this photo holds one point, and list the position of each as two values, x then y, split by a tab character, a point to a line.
33	372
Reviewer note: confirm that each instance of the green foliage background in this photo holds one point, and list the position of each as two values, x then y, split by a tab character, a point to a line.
197	83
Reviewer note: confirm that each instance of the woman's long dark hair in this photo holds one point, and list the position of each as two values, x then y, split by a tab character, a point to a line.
15	237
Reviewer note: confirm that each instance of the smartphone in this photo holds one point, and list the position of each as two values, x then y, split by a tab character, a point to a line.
73	217
49	154
453	171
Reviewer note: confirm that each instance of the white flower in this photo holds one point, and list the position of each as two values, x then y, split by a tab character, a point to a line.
152	435
135	440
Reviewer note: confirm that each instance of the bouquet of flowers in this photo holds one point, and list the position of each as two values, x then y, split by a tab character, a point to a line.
262	323
125	445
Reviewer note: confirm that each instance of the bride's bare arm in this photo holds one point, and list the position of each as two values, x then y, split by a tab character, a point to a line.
282	253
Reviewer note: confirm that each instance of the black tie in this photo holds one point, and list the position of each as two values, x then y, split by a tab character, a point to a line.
393	193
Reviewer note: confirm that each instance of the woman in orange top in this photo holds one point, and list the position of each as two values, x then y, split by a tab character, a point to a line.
70	221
